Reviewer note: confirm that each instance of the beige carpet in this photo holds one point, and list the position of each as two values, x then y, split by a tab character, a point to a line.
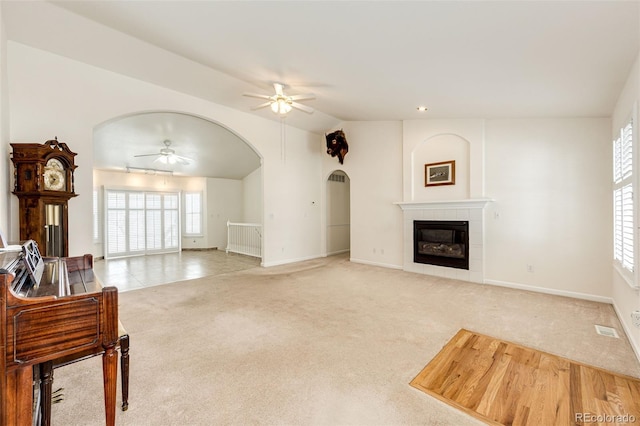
323	342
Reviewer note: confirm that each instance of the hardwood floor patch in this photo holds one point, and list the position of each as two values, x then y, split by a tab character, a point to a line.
503	383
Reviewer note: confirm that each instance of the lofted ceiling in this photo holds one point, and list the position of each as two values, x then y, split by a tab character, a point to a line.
363	60
212	150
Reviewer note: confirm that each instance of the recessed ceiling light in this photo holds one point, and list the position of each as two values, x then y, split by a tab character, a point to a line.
422	108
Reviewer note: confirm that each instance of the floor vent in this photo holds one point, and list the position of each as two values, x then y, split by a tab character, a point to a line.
606	331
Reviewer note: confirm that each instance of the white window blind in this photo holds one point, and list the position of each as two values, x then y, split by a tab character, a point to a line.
96	217
171	221
141	222
193	213
623	206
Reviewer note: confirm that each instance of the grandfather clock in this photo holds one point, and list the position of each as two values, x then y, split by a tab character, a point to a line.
43	177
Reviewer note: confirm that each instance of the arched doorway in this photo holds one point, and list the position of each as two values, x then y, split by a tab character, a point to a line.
219	181
338	213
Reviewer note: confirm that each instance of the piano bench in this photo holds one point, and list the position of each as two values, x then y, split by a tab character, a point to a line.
46	373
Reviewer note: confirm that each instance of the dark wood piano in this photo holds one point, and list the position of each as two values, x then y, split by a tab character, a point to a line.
51	314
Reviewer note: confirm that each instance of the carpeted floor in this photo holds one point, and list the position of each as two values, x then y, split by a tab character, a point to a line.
322	342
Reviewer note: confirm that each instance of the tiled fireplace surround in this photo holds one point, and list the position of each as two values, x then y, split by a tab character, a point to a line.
430	141
470	210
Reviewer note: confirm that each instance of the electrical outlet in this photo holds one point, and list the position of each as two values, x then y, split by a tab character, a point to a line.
529	268
635	316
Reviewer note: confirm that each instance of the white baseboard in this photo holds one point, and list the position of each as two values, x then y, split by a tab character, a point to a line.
332	253
630	336
368	262
575	295
287	261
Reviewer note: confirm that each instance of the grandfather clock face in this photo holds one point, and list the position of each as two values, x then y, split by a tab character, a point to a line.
54	176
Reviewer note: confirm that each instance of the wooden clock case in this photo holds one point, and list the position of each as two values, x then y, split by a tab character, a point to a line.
43	210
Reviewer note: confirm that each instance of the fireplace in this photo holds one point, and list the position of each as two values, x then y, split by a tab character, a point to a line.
470	211
442	243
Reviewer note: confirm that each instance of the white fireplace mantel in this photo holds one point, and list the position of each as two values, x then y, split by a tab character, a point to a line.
471	210
471	203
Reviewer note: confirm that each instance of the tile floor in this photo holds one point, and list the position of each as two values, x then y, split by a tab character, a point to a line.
132	273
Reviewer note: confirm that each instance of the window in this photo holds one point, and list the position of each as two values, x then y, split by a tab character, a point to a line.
96	217
623	208
193	213
141	222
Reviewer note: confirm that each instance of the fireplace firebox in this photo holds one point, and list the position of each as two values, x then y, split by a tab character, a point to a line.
442	243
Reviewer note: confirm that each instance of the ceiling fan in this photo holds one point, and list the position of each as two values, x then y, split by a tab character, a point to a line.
281	103
167	155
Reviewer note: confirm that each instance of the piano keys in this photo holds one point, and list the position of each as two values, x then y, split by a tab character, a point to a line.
48	312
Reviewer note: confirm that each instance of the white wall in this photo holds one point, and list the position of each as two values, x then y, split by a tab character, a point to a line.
626	299
252	201
6	167
550	179
50	95
551	182
374	167
292	209
224	203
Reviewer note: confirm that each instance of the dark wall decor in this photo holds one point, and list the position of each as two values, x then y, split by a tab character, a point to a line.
337	144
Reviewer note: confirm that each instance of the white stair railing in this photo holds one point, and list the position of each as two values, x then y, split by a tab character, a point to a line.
244	238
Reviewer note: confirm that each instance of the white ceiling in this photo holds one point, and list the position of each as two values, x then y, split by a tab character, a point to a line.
363	60
212	150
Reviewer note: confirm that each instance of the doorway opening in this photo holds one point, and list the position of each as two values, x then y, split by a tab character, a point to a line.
338	213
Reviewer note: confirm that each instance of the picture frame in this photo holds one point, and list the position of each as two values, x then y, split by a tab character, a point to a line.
442	173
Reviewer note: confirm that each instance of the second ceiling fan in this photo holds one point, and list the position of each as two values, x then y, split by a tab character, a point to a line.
281	103
167	155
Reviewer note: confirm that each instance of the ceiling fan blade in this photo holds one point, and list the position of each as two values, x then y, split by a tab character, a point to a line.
257	95
266	104
279	89
183	160
301	107
146	155
173	159
304	97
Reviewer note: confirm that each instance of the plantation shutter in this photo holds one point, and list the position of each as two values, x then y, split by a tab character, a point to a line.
623	206
192	213
141	222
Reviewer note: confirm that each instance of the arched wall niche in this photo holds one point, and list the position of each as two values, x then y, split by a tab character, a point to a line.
436	149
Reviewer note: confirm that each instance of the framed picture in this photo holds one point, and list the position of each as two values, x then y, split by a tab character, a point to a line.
443	173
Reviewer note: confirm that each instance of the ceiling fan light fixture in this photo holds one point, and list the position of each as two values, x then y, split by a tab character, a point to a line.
167	156
281	105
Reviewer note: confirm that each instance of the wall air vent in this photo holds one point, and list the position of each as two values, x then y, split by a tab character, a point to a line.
335	177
